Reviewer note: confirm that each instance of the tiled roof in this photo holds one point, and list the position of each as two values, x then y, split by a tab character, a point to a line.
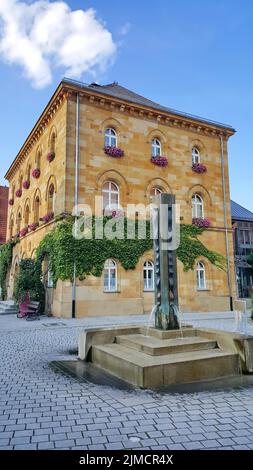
240	213
117	91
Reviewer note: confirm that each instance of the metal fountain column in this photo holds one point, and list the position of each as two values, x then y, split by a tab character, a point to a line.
166	291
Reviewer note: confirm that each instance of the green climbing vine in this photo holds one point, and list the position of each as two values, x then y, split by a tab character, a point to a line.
5	263
62	249
191	248
28	280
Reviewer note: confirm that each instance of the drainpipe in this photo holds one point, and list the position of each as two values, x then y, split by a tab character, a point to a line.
225	222
76	196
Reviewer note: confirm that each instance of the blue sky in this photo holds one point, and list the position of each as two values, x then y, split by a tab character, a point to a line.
190	55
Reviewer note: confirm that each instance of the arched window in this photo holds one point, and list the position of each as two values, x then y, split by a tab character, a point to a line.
52	142
19	219
197	206
20	181
110	276
11	227
201	276
148	275
38	159
156	148
28	174
37	209
27	214
195	155
155	191
110	137
110	193
51	198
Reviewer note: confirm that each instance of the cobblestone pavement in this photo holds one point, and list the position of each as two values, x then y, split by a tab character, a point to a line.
41	408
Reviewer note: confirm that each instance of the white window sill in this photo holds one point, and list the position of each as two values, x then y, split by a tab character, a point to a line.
203	290
148	290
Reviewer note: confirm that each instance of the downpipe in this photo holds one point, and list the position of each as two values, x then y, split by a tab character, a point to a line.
76	195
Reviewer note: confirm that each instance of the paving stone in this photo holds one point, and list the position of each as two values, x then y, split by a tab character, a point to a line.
226	442
36	403
65	444
195	445
41	438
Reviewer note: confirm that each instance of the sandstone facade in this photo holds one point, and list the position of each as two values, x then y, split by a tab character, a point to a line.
136	124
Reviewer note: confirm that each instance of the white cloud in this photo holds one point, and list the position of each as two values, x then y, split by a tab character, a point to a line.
43	35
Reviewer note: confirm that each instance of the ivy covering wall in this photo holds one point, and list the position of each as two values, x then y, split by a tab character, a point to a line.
5	263
61	250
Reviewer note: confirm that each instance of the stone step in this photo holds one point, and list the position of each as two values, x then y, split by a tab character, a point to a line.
8	312
8	307
156	347
147	371
7	303
168	334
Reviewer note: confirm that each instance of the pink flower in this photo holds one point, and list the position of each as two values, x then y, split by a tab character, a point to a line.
114	213
19	192
46	218
36	173
114	152
33	226
23	232
50	156
159	160
11	202
202	223
26	184
199	168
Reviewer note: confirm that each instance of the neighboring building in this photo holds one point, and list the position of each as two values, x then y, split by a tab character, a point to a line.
4	192
242	221
112	115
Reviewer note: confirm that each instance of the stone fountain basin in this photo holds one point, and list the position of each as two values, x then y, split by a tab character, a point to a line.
166	357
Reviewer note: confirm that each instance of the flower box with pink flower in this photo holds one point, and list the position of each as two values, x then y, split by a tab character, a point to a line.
201	222
23	232
26	184
18	193
46	218
33	226
199	168
36	173
159	160
115	152
114	213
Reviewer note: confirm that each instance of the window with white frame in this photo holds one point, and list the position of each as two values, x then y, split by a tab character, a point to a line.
197	207
156	148
50	282
148	275
201	276
110	137
110	193
110	276
195	155
155	191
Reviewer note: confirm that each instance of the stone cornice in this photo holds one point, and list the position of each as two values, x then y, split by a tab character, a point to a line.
187	122
95	98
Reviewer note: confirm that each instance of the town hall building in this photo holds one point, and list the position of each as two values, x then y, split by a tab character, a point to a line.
69	157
